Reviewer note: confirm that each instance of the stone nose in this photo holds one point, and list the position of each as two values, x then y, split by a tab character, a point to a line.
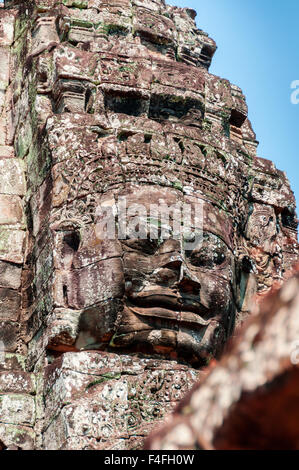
174	262
171	267
188	283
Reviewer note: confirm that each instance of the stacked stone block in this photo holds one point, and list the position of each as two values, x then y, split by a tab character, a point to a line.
17	386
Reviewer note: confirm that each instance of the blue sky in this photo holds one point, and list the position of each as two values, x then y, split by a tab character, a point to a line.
258	50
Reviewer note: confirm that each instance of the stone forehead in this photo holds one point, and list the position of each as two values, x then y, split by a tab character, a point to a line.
205	215
150	156
140	150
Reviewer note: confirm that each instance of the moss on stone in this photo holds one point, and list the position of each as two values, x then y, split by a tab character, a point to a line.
178	185
104	378
81	4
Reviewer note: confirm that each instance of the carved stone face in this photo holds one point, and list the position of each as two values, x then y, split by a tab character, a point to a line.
121	117
166	296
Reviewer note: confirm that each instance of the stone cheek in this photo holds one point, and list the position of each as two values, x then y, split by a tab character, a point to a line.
84	287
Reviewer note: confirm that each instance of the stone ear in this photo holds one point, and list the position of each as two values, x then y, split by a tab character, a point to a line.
247	285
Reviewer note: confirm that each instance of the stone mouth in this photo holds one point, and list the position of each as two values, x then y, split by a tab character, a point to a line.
171	307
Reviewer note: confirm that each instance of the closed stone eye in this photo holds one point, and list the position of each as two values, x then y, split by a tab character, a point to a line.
147	246
208	259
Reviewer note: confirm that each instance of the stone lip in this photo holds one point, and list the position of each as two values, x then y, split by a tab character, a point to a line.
177	316
170	306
